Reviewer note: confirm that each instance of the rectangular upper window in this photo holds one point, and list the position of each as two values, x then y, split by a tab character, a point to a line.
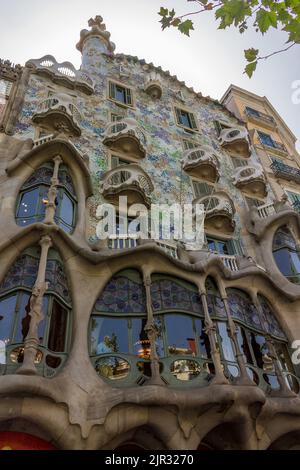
117	161
266	139
186	119
252	111
189	144
120	94
201	188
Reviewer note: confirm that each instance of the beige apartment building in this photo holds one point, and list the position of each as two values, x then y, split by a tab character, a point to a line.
130	343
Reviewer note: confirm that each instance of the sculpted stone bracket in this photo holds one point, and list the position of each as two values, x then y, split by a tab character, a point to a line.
235	138
127	136
204	160
59	112
126	179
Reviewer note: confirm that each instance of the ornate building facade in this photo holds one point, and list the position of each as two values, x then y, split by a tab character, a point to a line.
127	343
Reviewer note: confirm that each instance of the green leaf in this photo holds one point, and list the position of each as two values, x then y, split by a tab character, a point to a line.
163	11
185	27
250	68
265	19
251	54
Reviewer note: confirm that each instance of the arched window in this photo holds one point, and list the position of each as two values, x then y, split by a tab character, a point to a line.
255	329
33	198
119	346
286	255
15	292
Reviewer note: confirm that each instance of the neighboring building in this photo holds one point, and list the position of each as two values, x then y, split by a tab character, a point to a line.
127	343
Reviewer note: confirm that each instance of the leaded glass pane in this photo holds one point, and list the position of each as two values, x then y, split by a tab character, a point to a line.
65	180
122	295
21	274
41	175
167	294
56	277
270	323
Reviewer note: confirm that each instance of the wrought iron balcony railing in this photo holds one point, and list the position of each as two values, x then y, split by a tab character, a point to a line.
259	116
285	171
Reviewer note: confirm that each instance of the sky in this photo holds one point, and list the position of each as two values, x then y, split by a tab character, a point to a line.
209	61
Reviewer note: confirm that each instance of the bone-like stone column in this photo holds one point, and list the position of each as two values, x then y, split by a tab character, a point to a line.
210	330
244	378
36	312
284	390
151	331
52	193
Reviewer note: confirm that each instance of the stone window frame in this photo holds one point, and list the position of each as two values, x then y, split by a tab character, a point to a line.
194	130
194	144
126	87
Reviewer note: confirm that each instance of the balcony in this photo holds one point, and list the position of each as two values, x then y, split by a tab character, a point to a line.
201	162
260	118
127	180
236	140
153	86
281	170
219	212
274	146
127	137
62	73
251	179
59	113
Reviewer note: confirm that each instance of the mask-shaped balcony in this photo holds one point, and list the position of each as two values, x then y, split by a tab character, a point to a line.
219	212
251	179
127	137
59	113
201	162
62	73
153	86
127	180
236	140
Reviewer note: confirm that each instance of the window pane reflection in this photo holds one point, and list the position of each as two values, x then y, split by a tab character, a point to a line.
203	340
109	335
7	311
141	344
226	343
180	334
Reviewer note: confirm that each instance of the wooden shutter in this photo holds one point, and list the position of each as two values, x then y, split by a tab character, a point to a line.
114	161
238	162
202	189
193	121
128	96
178	116
235	247
112	90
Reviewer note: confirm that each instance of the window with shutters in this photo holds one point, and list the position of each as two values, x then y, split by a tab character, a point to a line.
116	161
219	126
189	144
224	247
201	188
186	119
252	202
116	117
120	94
238	162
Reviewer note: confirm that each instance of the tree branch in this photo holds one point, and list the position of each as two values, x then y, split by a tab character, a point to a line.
276	52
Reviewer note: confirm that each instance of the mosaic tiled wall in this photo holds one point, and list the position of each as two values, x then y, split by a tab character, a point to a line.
156	118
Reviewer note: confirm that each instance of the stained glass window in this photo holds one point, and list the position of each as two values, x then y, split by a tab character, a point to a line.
123	294
169	294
